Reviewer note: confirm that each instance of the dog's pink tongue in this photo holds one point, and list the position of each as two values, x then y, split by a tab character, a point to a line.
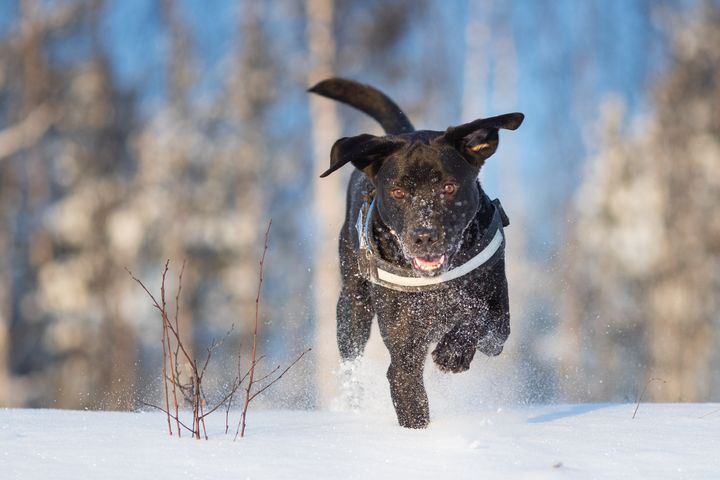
430	263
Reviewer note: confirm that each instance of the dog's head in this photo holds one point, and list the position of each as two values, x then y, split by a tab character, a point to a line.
425	183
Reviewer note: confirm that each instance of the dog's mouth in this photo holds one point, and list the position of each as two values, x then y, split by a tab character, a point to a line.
429	264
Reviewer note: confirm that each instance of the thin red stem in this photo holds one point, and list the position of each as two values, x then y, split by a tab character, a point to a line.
248	391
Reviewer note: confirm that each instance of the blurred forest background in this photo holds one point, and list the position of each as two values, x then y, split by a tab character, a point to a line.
135	131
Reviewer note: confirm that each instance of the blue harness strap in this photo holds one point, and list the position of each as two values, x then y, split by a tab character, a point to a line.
366	227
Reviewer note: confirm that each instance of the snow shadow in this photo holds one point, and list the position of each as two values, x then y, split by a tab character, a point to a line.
568	411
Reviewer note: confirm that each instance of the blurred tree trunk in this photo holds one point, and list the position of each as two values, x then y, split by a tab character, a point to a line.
179	77
179	72
645	270
328	196
62	174
475	67
5	311
29	184
252	93
531	297
117	374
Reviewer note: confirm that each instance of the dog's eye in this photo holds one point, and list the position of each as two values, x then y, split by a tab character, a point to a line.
449	188
398	193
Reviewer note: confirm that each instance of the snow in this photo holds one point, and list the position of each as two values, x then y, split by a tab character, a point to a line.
584	441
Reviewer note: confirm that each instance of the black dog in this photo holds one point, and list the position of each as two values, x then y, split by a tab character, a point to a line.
422	245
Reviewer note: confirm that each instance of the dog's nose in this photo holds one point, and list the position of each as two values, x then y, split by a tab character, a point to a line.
425	236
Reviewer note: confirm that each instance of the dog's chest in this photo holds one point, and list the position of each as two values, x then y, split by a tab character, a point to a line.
434	312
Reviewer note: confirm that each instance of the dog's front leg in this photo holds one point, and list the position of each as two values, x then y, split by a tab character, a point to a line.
494	328
408	394
405	374
495	334
354	307
456	349
484	326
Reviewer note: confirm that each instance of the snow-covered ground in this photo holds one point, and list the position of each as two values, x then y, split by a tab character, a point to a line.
673	441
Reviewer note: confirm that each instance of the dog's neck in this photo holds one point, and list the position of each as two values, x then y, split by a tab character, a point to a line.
388	245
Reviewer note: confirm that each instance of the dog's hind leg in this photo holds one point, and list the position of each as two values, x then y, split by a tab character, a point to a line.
354	322
354	308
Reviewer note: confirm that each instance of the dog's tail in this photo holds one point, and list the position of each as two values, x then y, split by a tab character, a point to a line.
366	99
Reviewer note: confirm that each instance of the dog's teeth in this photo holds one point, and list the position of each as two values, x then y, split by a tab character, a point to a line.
428	265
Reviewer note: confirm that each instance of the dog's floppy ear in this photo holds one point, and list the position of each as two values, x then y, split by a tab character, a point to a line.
364	151
478	140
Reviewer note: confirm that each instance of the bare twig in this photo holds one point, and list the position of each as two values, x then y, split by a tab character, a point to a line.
196	380
227	415
213	346
247	374
165	339
235	385
710	413
193	389
222	402
174	382
166	346
177	297
267	375
171	415
202	419
139	282
280	376
642	394
241	426
174	365
196	399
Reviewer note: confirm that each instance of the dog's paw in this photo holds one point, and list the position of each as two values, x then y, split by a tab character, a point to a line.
449	356
492	345
351	388
417	422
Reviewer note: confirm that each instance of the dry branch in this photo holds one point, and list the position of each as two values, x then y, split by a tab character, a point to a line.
710	413
173	347
169	414
175	366
195	385
250	395
253	363
642	394
281	374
